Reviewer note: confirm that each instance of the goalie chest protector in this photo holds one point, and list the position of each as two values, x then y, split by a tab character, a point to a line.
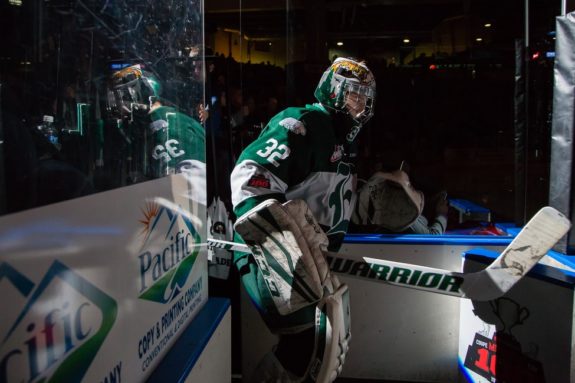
299	155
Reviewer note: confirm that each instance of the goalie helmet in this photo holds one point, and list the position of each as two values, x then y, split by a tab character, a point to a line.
348	86
132	89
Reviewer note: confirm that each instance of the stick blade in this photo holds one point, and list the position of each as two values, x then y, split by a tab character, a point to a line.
536	238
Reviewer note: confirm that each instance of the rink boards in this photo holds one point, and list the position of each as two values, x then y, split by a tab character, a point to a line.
397	333
401	333
99	288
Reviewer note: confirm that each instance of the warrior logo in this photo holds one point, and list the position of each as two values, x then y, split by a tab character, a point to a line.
62	325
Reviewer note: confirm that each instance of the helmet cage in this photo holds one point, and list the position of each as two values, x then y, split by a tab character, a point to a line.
131	90
355	91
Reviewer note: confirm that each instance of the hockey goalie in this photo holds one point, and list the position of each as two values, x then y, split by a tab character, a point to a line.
293	191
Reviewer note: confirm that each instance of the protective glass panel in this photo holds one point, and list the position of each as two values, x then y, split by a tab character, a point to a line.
96	95
450	109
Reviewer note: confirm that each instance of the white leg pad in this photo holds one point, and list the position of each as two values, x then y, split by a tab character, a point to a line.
286	243
333	333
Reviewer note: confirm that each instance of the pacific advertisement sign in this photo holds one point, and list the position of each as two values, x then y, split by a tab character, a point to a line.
59	342
98	293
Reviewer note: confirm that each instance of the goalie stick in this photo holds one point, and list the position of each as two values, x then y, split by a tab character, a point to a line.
536	238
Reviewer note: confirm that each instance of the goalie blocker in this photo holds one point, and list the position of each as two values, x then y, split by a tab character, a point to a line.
293	289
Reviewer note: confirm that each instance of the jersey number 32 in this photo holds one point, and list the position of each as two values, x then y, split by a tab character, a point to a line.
274	151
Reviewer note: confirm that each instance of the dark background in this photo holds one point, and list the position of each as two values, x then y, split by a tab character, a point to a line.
446	101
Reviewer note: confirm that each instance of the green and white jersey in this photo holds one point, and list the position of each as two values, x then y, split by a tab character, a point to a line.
175	139
298	155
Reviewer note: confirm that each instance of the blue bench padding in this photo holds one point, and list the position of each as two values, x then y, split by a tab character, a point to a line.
184	354
421	239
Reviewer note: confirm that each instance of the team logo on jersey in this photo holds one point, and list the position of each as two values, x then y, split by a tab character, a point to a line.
259	181
341	200
168	252
57	331
337	153
293	125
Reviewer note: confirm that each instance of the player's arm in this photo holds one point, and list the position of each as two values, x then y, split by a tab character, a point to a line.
439	223
422	226
277	159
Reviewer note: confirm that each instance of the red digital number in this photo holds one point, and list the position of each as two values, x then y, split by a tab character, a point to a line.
485	358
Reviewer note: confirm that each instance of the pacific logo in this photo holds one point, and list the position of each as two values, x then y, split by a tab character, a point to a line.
56	336
170	248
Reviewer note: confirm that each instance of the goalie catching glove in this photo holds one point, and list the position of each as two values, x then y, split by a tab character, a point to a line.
287	244
388	201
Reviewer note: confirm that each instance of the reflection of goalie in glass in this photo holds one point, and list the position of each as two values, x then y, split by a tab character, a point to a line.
173	141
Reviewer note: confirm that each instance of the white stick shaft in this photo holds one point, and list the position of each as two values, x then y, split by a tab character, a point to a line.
532	243
400	274
382	271
227	245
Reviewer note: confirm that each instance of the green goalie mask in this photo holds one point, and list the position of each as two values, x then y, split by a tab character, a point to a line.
348	86
131	89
